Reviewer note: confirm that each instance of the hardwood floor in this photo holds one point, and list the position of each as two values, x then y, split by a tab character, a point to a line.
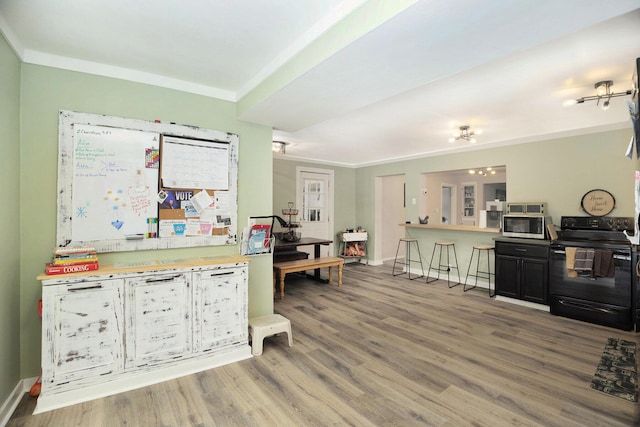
385	351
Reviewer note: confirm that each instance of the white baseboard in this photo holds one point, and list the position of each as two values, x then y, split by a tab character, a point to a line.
14	398
130	381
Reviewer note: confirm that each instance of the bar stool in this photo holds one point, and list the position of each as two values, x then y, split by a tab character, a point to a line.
407	258
479	249
444	267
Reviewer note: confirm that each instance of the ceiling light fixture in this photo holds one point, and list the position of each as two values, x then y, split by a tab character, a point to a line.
603	93
483	172
465	134
279	147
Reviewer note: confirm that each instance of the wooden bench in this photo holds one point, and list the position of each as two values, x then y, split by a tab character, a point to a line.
281	269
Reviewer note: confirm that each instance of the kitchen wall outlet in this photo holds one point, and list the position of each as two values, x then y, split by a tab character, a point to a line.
413	201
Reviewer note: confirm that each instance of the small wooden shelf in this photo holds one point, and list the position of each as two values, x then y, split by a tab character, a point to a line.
356	241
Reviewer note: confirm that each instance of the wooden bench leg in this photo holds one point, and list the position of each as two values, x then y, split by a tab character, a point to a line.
340	274
330	276
282	275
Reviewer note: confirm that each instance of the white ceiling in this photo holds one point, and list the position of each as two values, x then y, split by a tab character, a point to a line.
343	94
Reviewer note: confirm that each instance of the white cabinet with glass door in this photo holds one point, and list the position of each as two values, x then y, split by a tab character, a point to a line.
468	203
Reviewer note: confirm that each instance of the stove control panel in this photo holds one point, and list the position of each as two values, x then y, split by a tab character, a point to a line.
603	223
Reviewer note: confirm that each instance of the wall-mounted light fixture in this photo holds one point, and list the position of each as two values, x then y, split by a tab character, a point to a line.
465	134
602	97
279	147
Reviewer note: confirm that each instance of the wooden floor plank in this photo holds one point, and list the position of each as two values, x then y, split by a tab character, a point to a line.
385	351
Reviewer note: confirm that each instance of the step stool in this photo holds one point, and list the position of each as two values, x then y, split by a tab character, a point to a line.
266	326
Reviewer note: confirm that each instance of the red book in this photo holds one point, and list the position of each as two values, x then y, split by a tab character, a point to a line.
71	268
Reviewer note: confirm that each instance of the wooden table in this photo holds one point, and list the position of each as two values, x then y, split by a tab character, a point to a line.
305	241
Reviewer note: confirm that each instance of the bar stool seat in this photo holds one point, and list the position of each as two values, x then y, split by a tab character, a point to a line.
440	267
408	241
483	274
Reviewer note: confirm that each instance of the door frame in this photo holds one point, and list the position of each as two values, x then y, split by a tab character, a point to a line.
453	206
331	196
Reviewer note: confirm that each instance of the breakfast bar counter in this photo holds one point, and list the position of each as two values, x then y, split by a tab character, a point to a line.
452	227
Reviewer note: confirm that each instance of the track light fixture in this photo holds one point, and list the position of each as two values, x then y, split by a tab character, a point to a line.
483	171
279	147
465	134
602	97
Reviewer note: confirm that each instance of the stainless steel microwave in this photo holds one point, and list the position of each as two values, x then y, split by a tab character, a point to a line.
525	226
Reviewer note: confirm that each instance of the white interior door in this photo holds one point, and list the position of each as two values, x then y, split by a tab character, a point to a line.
314	200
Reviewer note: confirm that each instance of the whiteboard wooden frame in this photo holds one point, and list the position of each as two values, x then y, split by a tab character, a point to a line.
67	119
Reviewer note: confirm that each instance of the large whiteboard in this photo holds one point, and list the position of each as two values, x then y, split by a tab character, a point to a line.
110	193
114	189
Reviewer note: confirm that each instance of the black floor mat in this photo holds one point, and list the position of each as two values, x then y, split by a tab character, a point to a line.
617	373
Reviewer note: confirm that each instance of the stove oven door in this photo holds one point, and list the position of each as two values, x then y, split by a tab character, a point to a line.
602	300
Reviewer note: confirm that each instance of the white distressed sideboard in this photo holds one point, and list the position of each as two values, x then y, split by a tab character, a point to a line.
123	327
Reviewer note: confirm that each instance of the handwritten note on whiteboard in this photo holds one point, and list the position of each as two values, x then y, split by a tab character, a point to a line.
114	182
192	163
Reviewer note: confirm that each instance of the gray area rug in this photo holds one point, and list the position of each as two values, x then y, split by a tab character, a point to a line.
617	373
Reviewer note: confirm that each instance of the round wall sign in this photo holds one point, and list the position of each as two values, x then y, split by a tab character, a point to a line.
598	202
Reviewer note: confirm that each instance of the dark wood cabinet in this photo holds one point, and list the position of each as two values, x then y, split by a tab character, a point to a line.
522	271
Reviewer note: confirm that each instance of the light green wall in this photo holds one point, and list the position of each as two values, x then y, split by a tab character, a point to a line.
45	91
557	171
284	191
10	217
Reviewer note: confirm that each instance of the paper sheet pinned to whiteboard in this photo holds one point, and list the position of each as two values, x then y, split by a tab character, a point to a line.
192	163
201	201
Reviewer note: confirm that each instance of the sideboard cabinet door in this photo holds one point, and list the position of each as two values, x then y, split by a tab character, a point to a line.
83	324
158	321
220	307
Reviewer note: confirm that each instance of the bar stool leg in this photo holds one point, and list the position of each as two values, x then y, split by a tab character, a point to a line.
407	257
420	258
473	252
449	267
489	270
393	270
435	246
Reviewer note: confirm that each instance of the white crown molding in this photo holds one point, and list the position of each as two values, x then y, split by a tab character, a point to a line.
11	37
65	63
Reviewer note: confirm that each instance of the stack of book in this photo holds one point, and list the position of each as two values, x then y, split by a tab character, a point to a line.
72	260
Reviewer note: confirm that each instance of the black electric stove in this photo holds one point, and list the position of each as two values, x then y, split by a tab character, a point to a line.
606	299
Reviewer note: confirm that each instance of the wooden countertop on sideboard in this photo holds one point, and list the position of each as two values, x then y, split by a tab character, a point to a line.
145	266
